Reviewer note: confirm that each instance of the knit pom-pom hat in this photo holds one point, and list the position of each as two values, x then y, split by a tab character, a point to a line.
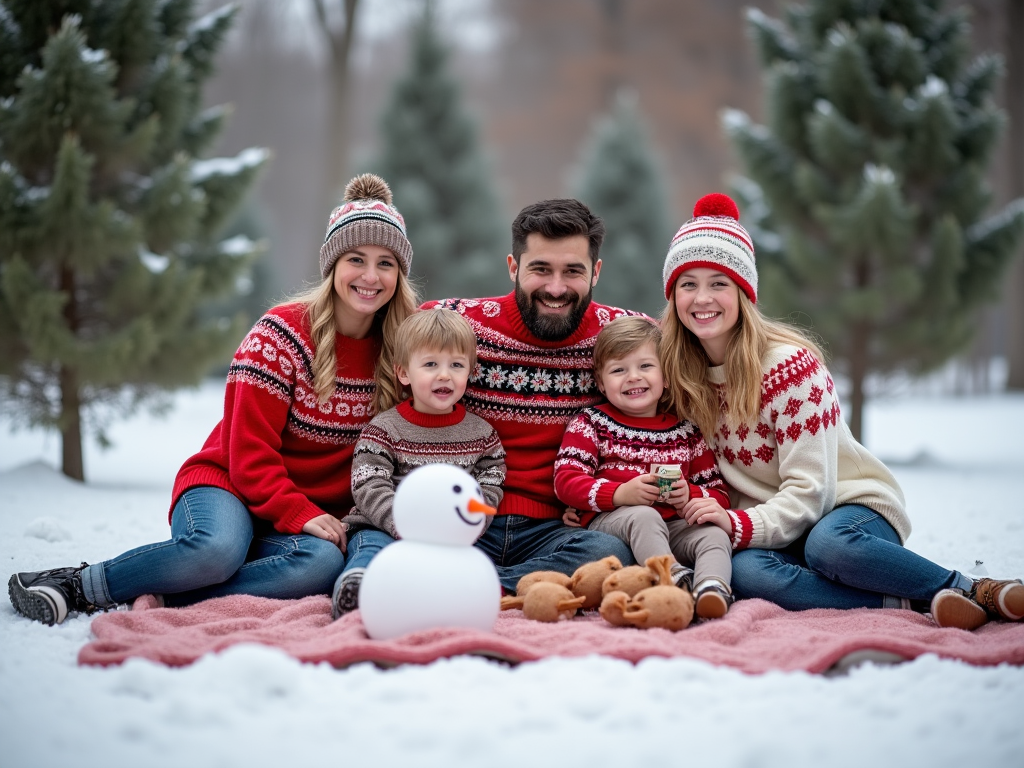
713	238
365	217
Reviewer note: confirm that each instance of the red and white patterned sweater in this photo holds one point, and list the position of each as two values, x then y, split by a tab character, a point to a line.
604	448
286	456
528	390
798	461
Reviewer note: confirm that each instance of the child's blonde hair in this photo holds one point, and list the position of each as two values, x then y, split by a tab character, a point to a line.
437	330
319	302
686	364
622	336
625	335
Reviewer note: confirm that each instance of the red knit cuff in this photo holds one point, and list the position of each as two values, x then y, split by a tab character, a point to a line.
605	495
697	491
293	523
742	528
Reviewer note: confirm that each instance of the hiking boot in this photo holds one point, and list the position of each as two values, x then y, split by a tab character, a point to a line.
954	608
712	599
1000	599
346	593
49	596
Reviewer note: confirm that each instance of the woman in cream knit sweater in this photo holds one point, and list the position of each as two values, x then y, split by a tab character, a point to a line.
816	521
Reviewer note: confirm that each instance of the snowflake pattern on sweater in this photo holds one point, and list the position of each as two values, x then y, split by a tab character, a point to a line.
798	461
528	390
604	448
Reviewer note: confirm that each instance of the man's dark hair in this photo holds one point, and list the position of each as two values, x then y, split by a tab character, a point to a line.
555	219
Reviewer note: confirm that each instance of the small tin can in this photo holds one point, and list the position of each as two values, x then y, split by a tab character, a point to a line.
667	474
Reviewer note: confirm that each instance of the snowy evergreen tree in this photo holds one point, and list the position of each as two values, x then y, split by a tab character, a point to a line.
108	218
619	180
866	193
440	180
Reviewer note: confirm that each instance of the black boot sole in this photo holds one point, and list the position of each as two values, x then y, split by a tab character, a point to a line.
31	603
347	599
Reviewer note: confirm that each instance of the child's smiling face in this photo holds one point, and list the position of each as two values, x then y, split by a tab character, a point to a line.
437	379
633	383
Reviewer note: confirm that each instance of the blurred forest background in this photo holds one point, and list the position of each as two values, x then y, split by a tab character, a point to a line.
167	168
540	84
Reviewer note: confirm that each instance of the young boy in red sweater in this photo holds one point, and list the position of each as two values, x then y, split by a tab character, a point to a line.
606	468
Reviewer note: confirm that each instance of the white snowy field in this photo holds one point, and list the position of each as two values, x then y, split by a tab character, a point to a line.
960	462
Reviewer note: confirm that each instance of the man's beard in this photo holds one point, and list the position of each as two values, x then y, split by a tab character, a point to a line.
551	327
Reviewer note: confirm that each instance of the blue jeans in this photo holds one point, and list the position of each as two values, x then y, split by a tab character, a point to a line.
519	545
217	548
851	558
363	546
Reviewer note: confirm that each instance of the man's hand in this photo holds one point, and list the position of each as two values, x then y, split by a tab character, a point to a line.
570	518
330	528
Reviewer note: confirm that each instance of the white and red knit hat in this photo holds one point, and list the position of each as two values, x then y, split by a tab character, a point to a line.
365	217
713	238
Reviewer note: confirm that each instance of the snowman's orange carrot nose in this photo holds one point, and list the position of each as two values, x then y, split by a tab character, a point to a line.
479	506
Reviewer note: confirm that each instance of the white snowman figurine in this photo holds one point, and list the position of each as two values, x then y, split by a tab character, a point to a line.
432	576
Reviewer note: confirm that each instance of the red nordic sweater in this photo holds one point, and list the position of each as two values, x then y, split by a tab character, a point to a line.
528	390
604	448
286	456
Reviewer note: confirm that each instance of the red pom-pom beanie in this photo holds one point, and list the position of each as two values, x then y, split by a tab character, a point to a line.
713	238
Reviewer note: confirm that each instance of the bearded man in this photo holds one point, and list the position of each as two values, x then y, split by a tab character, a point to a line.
534	372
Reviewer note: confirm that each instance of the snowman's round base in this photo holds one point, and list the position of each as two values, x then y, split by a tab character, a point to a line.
411	586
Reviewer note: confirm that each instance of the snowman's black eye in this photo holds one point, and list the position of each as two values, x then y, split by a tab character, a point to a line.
457	488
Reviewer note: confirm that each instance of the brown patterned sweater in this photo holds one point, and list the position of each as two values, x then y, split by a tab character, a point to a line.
401	439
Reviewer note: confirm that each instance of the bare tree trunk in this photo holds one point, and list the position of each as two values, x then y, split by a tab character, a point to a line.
1015	151
859	336
70	401
339	45
612	33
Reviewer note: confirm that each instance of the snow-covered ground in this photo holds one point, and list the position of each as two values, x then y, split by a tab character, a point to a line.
960	462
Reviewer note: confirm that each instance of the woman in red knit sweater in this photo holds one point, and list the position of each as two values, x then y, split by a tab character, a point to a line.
257	511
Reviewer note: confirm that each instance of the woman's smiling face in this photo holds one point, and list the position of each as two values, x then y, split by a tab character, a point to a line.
708	304
365	279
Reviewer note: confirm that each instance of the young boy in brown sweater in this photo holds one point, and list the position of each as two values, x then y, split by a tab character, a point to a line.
435	353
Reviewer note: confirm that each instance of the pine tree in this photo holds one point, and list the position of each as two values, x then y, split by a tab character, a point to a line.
620	182
108	218
866	193
439	178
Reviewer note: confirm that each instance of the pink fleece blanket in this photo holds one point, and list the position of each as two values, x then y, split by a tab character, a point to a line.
755	636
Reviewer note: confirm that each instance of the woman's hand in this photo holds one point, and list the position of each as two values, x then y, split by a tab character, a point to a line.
706	510
570	518
642	490
330	528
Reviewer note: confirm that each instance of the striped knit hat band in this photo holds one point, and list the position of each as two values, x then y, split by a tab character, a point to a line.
713	239
365	218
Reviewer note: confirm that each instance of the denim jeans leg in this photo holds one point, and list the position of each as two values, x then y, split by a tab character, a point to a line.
278	565
211	531
519	545
855	546
364	545
782	576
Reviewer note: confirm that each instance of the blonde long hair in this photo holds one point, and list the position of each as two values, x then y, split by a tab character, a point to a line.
319	301
691	394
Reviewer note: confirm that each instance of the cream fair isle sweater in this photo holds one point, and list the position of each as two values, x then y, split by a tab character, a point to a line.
798	461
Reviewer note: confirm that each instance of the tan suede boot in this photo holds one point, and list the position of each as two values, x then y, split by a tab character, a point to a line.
1001	599
953	608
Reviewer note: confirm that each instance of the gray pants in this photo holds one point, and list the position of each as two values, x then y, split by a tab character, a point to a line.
705	548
